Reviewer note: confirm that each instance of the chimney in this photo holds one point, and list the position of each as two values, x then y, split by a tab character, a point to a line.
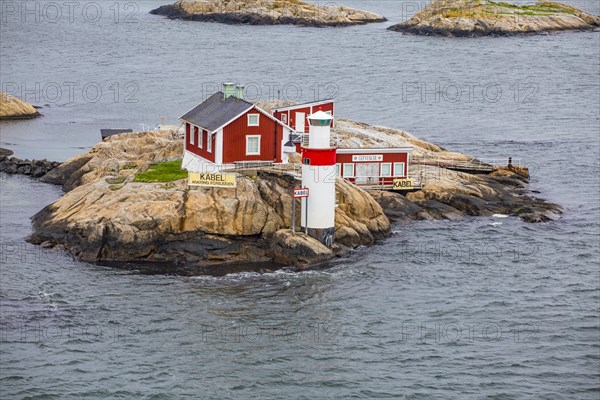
239	92
228	90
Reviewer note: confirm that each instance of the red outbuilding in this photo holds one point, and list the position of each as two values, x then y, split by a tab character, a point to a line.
373	167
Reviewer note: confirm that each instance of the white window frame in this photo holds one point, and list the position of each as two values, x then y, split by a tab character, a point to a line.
389	175
248	153
257	119
200	137
396	172
192	130
344	170
338	169
209	142
284	118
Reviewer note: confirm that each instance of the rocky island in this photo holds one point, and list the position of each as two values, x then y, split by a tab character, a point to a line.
267	12
14	108
485	17
113	212
128	200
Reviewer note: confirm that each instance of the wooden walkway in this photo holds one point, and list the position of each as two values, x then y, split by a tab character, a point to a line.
472	166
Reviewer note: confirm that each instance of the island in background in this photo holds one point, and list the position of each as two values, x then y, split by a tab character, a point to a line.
484	17
267	12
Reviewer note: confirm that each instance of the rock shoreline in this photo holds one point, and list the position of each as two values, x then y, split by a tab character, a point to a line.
33	168
472	18
267	12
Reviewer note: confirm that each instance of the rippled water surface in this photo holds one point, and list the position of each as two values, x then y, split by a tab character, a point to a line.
480	308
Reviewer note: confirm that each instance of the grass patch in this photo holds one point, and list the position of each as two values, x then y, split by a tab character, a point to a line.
535	8
164	172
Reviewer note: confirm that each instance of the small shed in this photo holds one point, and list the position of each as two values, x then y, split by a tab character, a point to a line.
110	132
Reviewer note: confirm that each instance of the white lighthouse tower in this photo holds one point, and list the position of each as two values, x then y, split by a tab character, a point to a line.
318	175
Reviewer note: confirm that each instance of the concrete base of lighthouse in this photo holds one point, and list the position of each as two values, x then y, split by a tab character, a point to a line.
323	235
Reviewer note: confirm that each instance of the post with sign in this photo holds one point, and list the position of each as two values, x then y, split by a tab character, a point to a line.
298	193
403	184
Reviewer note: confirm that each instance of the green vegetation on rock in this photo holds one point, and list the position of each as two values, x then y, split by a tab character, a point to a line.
163	172
543	8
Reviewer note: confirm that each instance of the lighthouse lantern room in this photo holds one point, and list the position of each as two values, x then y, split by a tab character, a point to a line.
318	175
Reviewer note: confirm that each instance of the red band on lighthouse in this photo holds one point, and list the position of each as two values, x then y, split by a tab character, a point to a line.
318	156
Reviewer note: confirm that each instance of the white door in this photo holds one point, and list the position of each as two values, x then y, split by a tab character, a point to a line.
300	122
367	173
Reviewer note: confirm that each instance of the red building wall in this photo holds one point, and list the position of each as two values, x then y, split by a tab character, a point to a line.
387	158
291	114
195	148
234	139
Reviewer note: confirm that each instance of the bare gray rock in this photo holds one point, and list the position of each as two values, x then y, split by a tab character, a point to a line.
484	17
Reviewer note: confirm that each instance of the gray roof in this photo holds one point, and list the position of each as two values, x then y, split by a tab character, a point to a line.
215	112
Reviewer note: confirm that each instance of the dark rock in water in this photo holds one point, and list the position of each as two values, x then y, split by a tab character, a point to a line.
440	210
170	11
298	249
398	208
5	152
540	215
33	168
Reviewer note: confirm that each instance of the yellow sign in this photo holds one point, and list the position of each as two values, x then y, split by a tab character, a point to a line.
211	180
403	184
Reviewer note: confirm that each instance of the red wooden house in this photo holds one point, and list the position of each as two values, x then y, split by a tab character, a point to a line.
225	129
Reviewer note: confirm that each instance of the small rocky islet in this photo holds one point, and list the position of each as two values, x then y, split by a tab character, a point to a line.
13	108
267	12
109	214
470	18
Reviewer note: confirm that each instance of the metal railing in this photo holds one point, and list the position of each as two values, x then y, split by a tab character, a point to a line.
379	183
333	141
472	164
253	167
